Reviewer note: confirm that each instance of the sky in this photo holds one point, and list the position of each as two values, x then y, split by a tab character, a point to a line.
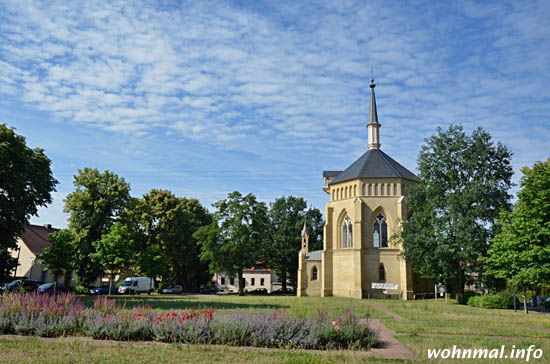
203	98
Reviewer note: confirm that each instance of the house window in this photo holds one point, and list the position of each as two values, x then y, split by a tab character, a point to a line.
314	274
347	234
222	281
380	233
381	273
252	281
262	281
232	281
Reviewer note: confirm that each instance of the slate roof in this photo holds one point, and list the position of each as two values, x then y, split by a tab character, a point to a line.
35	237
314	255
375	164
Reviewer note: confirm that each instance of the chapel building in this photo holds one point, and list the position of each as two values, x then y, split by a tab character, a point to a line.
365	209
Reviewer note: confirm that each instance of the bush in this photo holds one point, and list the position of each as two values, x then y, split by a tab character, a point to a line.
488	301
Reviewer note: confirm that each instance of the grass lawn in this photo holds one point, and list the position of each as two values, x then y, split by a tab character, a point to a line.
419	325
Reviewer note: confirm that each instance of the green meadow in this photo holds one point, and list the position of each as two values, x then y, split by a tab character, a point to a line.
419	325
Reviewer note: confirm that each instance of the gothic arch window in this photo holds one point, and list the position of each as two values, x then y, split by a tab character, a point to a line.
380	232
376	189
347	233
363	190
381	272
314	273
395	189
381	189
355	190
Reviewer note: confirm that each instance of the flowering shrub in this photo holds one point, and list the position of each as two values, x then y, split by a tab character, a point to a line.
64	315
42	315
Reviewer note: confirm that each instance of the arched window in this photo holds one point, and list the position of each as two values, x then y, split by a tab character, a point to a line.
395	189
363	189
347	233
380	232
370	189
381	273
381	189
314	273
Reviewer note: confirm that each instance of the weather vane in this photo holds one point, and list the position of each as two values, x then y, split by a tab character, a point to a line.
371	74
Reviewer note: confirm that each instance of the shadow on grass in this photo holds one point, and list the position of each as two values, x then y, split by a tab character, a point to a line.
183	303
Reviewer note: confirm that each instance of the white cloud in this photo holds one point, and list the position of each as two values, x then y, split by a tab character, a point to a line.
284	80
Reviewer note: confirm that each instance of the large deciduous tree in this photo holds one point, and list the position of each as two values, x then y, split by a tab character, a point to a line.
234	240
286	220
520	253
97	202
464	185
26	182
164	225
113	252
59	259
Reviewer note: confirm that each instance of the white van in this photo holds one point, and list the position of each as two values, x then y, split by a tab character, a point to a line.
136	285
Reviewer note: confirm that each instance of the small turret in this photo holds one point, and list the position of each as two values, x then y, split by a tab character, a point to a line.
305	239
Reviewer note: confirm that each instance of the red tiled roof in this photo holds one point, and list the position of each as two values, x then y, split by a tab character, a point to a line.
35	237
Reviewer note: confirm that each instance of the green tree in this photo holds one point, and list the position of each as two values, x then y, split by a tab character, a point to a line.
286	220
520	253
113	251
464	184
234	240
59	259
164	225
97	202
26	182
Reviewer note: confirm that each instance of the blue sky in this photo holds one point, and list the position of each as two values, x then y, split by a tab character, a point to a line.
206	97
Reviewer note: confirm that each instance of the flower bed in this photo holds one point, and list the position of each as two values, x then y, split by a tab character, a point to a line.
64	315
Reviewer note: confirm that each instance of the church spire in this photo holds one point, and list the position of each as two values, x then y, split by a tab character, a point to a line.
373	125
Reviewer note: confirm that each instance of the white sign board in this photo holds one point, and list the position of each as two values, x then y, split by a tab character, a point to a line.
384	286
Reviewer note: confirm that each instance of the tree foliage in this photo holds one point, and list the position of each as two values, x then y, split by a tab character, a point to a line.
520	253
97	202
26	182
59	259
113	252
164	225
286	220
464	184
234	240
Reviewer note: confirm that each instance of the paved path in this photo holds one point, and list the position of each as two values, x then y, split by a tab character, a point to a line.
389	347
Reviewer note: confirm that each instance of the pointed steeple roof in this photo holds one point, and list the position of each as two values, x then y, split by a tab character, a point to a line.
304	231
373	125
374	163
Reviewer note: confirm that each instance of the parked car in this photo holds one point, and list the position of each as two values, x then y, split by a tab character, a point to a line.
28	285
176	289
209	289
51	288
104	289
258	291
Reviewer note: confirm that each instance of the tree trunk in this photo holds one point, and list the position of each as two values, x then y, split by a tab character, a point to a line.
241	281
283	279
525	309
66	279
462	291
111	278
